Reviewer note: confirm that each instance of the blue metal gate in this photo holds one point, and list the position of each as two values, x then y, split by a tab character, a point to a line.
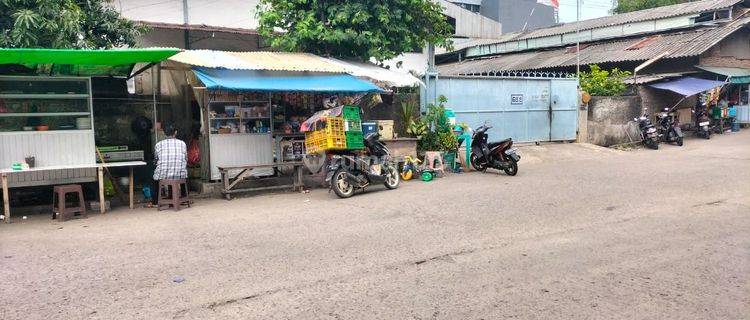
525	109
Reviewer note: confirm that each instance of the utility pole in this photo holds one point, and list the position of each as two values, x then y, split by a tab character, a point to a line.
186	21
578	40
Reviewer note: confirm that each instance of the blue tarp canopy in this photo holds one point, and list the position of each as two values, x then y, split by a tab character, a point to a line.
275	81
688	86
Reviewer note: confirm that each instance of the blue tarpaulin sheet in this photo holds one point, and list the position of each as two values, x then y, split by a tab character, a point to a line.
277	81
688	86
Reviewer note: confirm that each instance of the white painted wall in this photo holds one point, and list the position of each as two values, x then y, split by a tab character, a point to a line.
217	13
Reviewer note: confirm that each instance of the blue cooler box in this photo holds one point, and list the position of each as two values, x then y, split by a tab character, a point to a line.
368	127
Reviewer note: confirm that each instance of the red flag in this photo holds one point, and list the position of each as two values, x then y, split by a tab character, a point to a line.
551	3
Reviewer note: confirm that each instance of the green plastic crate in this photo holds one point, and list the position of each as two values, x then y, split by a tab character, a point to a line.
353	125
355	140
351	112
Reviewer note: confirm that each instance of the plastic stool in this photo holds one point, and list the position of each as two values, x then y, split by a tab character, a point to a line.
60	210
170	194
434	160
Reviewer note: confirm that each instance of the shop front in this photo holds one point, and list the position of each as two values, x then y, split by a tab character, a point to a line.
736	93
47	124
253	104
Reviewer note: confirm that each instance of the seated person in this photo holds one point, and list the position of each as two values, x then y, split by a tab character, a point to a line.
171	159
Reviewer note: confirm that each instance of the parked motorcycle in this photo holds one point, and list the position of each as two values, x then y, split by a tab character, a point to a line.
649	134
669	128
496	155
349	171
702	122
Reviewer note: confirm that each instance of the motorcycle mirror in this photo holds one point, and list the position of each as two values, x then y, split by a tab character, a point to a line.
487	123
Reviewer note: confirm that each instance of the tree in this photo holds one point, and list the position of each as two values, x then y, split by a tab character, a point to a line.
623	6
599	82
64	24
360	29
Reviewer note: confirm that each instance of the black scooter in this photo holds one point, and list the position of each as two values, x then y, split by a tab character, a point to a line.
649	134
702	122
669	128
496	155
349	171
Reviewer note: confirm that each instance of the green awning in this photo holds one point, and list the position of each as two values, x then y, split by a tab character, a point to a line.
736	75
79	62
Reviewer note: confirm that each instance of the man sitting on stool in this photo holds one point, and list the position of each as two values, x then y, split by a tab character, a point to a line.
171	160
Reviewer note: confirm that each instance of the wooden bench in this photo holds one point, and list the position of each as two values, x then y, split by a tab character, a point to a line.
229	184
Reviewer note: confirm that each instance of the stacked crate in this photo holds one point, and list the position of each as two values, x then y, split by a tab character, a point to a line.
353	128
328	134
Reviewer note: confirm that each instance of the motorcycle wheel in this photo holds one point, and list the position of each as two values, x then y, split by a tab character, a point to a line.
340	184
513	169
680	141
392	177
708	135
651	144
475	163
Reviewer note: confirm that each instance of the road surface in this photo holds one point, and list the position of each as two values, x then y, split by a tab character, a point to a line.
581	233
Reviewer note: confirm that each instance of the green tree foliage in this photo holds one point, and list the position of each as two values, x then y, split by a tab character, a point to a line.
361	29
599	82
623	6
64	24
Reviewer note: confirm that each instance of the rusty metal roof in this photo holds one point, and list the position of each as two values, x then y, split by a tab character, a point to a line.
694	7
258	60
678	43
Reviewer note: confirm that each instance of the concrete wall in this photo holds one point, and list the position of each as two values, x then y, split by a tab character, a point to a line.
470	24
173	38
610	120
513	14
222	13
656	100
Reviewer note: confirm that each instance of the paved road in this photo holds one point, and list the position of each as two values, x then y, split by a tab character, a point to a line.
580	233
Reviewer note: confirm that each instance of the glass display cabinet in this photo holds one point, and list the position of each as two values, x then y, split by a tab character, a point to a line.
45	104
48	119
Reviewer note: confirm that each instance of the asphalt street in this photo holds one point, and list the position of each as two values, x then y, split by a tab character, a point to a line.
581	233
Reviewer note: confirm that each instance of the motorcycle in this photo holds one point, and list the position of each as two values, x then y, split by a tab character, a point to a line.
669	128
649	134
496	155
703	122
349	171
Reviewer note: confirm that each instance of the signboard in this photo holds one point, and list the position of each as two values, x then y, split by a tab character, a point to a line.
516	99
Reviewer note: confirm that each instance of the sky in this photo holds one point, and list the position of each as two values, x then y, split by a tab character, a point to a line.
589	9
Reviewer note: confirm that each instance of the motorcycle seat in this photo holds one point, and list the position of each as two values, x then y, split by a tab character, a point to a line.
494	144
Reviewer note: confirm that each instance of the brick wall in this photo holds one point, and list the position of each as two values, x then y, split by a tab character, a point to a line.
731	62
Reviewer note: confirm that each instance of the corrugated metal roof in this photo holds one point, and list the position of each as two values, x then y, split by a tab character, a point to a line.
695	7
729	72
679	44
383	76
300	62
257	60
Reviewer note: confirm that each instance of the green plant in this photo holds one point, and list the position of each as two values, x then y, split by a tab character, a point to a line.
407	117
599	82
438	135
417	128
64	24
360	29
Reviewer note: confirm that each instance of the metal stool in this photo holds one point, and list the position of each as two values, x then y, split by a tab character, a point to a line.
170	194
60	210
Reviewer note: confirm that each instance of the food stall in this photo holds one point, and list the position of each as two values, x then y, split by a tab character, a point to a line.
254	102
46	113
737	90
